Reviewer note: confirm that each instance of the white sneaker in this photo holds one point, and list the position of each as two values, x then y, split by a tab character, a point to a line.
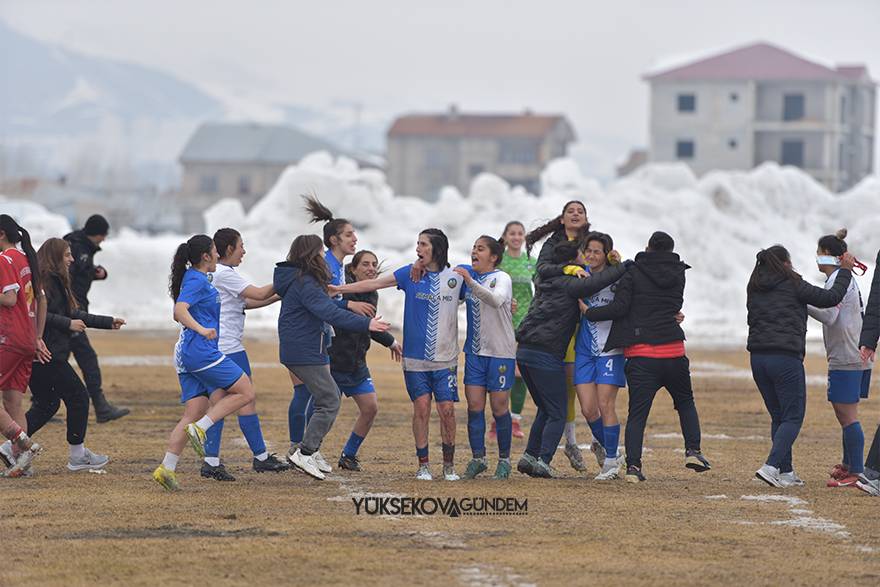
6	456
449	473
424	473
89	460
769	475
609	472
306	464
323	465
791	479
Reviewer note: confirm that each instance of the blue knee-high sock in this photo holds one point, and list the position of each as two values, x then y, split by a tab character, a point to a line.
612	439
477	433
504	430
212	439
250	427
845	459
854	438
310	410
598	430
354	443
296	413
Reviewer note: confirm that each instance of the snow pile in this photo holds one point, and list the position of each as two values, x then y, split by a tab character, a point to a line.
719	222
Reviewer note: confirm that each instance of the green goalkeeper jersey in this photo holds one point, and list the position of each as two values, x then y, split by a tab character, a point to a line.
521	270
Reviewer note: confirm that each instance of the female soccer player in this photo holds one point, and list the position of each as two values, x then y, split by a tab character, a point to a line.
849	378
521	268
236	296
777	299
490	353
302	282
348	361
22	319
430	342
56	381
212	385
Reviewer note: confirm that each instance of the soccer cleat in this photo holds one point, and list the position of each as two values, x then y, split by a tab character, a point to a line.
270	464
694	459
502	471
598	451
23	461
869	486
166	478
575	458
219	472
196	438
516	429
89	461
6	456
839	471
634	474
543	470
475	467
493	432
449	473
609	472
791	479
849	481
424	473
307	464
349	463
526	464
769	475
322	464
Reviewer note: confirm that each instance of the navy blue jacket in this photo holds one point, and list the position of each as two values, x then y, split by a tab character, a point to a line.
305	307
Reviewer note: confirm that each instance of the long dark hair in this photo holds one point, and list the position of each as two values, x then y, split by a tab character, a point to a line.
553	226
774	260
51	260
439	246
224	239
495	247
307	254
188	253
507	227
17	234
834	243
320	213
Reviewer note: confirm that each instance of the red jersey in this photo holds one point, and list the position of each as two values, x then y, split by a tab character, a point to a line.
18	322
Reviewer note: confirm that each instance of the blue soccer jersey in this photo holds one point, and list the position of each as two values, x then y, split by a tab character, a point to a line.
193	351
430	318
489	316
592	336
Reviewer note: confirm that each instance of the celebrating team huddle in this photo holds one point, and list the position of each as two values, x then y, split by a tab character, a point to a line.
571	327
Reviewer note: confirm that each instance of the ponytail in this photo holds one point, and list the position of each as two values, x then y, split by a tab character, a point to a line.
17	234
321	213
775	260
188	253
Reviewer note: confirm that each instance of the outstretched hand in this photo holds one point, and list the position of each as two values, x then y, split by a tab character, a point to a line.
379	325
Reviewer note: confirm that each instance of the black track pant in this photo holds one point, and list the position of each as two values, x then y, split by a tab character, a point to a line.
645	377
87	359
50	385
873	460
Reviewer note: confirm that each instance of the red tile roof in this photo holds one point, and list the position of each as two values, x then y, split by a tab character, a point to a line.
477	125
758	61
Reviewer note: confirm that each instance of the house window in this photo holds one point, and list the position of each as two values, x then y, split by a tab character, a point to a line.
687	103
244	185
209	184
684	149
475	170
792	107
522	151
734	97
793	153
732	143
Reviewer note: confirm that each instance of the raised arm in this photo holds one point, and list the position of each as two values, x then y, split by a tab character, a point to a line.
619	306
368	285
319	303
258	294
581	288
496	298
821	297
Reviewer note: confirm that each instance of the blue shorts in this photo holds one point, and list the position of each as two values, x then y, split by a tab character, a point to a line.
205	382
241	359
490	372
365	386
605	370
443	384
846	387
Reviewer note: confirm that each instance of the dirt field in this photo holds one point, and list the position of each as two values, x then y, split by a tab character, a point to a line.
721	527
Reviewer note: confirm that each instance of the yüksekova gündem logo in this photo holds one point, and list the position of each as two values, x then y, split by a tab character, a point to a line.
439	506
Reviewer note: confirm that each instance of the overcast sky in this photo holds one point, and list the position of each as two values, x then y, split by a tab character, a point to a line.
581	58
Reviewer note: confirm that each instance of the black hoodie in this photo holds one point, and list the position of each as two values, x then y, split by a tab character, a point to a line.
778	311
82	272
645	302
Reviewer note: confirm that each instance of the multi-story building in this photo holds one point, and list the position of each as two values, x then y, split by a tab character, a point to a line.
762	103
429	151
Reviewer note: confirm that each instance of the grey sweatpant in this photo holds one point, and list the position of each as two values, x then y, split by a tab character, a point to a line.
325	395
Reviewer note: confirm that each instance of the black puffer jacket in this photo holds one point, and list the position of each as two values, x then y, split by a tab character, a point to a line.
57	333
348	353
645	302
82	272
553	314
871	323
547	267
778	311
